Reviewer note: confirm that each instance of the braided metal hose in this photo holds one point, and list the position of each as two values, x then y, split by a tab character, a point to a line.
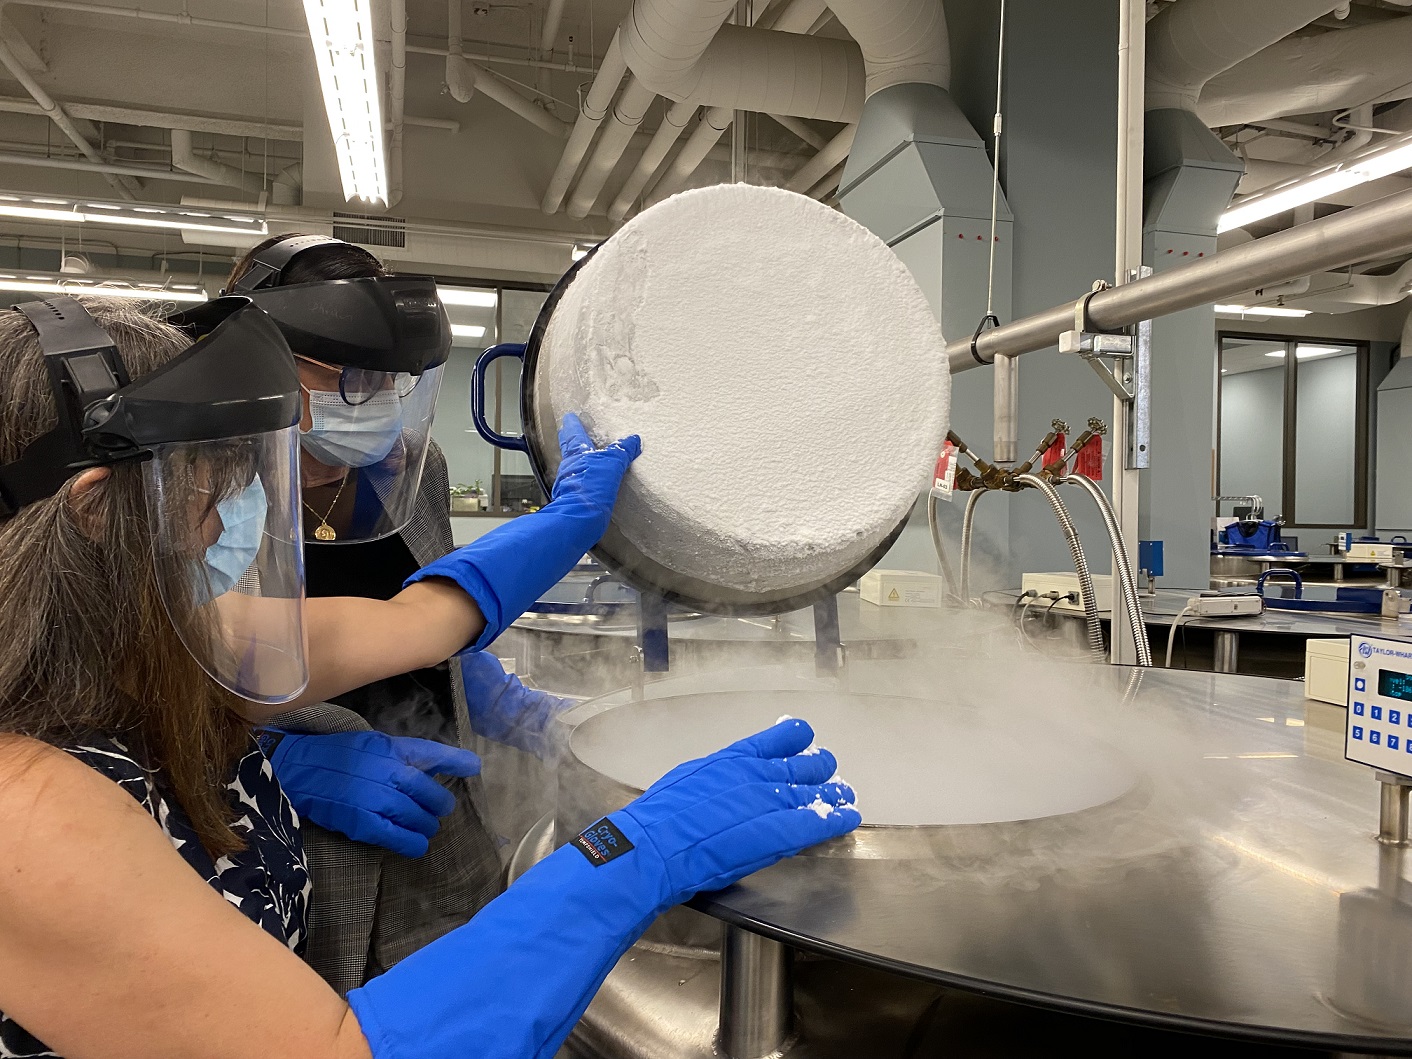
967	523
940	546
1126	579
1090	603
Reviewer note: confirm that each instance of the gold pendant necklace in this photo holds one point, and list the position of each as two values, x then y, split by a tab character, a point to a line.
323	531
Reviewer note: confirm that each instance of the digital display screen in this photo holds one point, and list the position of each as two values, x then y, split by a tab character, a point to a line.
1394	685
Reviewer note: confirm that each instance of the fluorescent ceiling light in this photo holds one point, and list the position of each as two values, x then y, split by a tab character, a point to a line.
580	251
1392	156
342	35
484	299
176	218
103	288
467	331
1261	310
1303	352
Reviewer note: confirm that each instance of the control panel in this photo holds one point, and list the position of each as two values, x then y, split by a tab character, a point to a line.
1379	731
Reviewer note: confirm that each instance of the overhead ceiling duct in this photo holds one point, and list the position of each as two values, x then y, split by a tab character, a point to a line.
1191	42
1306	75
770	72
903	41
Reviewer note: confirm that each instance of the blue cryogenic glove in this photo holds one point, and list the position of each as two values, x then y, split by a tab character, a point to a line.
371	787
511	567
503	709
512	983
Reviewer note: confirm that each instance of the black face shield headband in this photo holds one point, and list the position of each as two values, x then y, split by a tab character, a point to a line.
237	379
381	323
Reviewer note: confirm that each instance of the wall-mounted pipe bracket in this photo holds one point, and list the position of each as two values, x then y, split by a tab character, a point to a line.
1129	376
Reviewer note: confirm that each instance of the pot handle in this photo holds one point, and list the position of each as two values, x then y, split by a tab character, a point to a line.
1280	571
517	442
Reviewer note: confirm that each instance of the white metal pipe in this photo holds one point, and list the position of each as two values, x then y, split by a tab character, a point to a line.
397	101
591	114
1127	259
286	188
825	189
493	58
464	78
1191	42
302	34
1307	75
553	18
156	119
800	129
185	157
626	116
708	132
460	79
82	165
676	119
493	86
834	153
903	41
1362	120
1363	233
793	16
55	113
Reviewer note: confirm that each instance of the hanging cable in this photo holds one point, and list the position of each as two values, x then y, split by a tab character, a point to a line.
996	128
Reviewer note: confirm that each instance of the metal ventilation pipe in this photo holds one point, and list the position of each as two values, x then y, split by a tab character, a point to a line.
1191	42
903	41
1305	75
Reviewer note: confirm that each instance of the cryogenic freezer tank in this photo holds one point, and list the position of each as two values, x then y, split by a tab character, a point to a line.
1174	852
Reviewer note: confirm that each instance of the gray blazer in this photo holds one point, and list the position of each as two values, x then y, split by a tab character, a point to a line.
371	907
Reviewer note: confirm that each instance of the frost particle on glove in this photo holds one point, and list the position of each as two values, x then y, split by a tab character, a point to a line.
784	370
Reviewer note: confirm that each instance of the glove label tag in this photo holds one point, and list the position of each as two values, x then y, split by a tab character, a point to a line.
602	842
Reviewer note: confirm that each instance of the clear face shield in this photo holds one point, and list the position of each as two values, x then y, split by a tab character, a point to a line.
217	429
230	563
364	442
371	354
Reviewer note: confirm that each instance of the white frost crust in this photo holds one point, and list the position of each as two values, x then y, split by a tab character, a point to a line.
784	370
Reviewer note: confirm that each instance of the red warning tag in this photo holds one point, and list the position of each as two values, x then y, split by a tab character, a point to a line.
944	477
1055	452
1090	459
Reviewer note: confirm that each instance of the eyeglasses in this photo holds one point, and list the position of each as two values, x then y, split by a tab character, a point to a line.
358	386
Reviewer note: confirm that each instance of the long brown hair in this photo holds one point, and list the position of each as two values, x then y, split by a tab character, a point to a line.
85	642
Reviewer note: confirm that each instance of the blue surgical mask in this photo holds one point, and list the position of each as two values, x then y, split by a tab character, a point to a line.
347	435
225	562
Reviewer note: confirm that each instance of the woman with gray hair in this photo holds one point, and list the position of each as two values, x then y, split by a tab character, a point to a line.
153	891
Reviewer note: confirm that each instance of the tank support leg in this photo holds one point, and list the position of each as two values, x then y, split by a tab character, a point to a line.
828	645
757	995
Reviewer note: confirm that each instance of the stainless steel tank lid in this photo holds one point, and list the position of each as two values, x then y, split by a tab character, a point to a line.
913	763
1239	893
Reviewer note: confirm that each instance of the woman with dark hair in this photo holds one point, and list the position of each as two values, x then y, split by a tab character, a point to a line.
392	875
153	893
